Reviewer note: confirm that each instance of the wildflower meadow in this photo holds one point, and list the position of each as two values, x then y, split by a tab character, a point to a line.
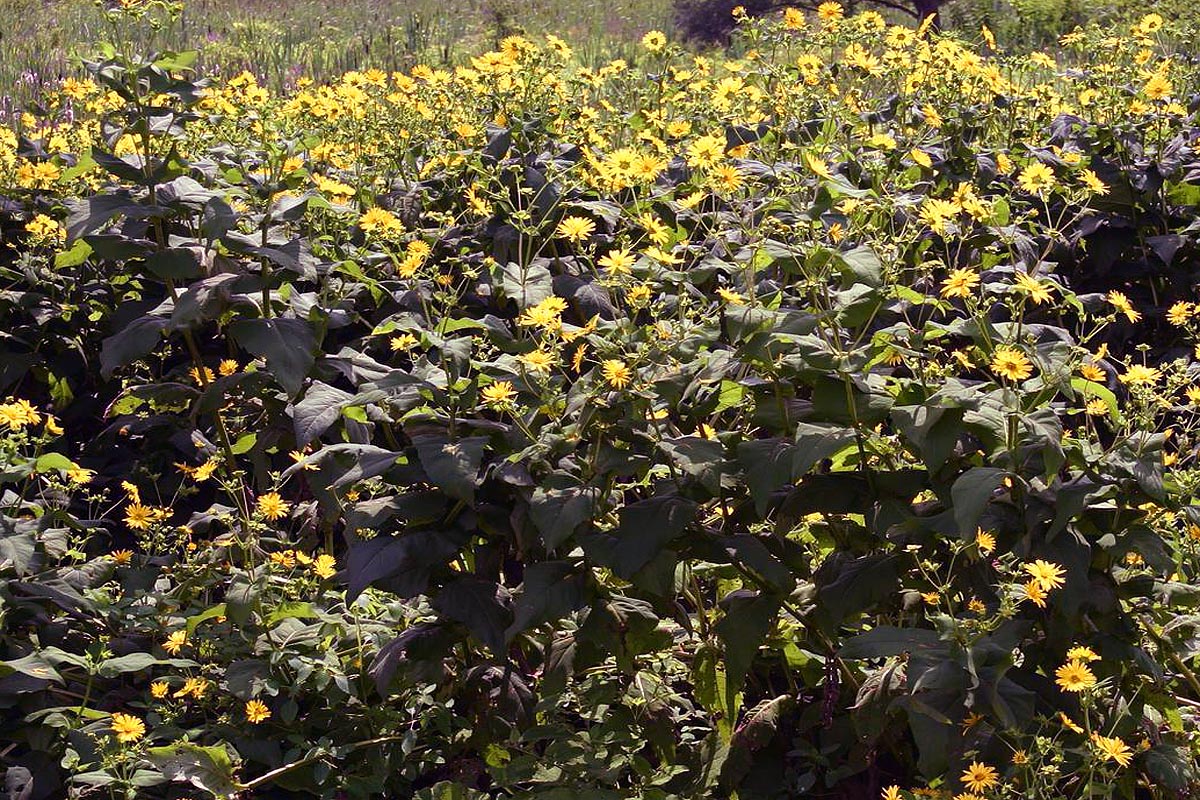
816	415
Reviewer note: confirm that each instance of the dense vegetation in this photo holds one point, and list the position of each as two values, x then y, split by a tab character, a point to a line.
820	421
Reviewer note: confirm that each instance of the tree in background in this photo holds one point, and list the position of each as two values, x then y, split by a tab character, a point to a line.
712	20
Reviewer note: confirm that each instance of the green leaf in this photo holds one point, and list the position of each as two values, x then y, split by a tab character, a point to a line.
244	444
53	461
863	266
134	662
644	529
550	590
971	494
288	345
749	617
702	459
558	513
76	255
479	604
207	768
293	609
452	466
136	340
204	616
174	264
526	285
889	641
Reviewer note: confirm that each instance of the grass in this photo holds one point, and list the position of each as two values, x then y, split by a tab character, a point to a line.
280	41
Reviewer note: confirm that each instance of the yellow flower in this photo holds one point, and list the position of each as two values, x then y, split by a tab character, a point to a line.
17	414
227	367
1113	749
127	728
920	157
159	689
1020	758
1074	676
1045	573
175	642
1092	181
1028	285
1081	653
194	687
1008	362
138	517
324	566
1035	178
830	11
121	557
1179	313
654	41
1069	723
979	777
1157	87
257	711
733	298
538	361
1121	303
985	541
616	261
890	793
272	506
1095	407
1035	594
546	314
793	19
576	229
617	373
960	283
1092	372
379	220
1139	375
498	394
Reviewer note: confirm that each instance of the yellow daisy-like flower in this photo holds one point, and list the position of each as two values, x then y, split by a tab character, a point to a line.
576	229
979	777
654	41
175	642
830	11
617	373
1113	749
1092	181
793	19
1140	375
257	711
960	283
538	361
890	793
1032	288
1179	313
616	261
1082	653
324	566
499	394
1121	303
1095	407
1074	676
1008	362
121	557
193	687
985	541
227	367
1069	723
127	728
159	690
138	517
1092	372
1046	574
1036	178
272	506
